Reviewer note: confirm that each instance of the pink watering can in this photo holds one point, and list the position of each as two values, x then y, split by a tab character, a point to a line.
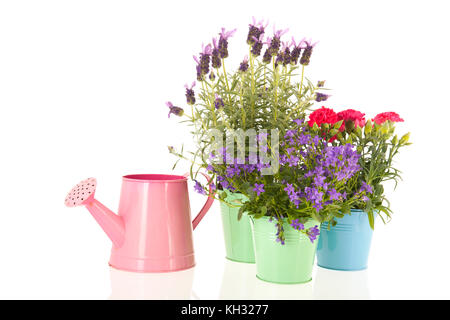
153	230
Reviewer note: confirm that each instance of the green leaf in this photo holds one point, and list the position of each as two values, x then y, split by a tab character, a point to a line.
404	139
315	127
338	124
368	127
240	213
371	219
333	132
263	210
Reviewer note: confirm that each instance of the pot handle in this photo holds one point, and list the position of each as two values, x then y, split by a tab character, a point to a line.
207	204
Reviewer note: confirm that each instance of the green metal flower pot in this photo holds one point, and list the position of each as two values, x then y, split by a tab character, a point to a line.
237	234
289	263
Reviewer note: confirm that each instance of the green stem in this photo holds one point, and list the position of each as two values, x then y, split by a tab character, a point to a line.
226	81
242	101
253	83
275	74
301	82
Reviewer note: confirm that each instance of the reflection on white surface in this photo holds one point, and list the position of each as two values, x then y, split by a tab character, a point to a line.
151	286
332	284
273	291
238	280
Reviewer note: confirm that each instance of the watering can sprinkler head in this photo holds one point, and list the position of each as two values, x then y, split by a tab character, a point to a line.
83	195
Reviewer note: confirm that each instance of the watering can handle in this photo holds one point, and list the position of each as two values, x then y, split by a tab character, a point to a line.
207	205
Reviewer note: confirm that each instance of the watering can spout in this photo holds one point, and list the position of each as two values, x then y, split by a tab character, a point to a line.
112	224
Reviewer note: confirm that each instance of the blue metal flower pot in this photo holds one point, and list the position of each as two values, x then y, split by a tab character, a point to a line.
345	246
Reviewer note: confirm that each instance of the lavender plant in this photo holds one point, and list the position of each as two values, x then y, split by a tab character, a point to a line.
266	91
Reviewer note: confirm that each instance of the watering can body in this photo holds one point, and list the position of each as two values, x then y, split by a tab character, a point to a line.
152	231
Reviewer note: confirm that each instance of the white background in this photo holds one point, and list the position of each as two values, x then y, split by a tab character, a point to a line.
82	92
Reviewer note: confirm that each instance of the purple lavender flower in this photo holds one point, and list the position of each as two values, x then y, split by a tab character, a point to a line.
267	57
333	194
296	51
205	58
297	225
286	54
218	103
199	188
257	46
321	97
289	189
232	171
212	76
259	188
314	195
279	59
174	110
319	181
244	64
304	139
318	206
190	94
366	187
223	42
215	57
320	84
275	42
312	233
199	70
299	122
290	133
262	137
280	230
293	161
255	30
306	56
315	140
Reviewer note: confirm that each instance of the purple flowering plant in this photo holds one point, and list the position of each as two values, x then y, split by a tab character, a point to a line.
266	90
310	183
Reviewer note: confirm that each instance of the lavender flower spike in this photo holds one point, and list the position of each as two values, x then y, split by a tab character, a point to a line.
296	51
286	53
218	103
190	94
198	69
174	110
275	42
256	29
321	97
215	57
244	64
257	45
204	59
223	42
306	56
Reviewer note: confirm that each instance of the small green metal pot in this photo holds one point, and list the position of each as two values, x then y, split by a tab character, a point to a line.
289	263
237	234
